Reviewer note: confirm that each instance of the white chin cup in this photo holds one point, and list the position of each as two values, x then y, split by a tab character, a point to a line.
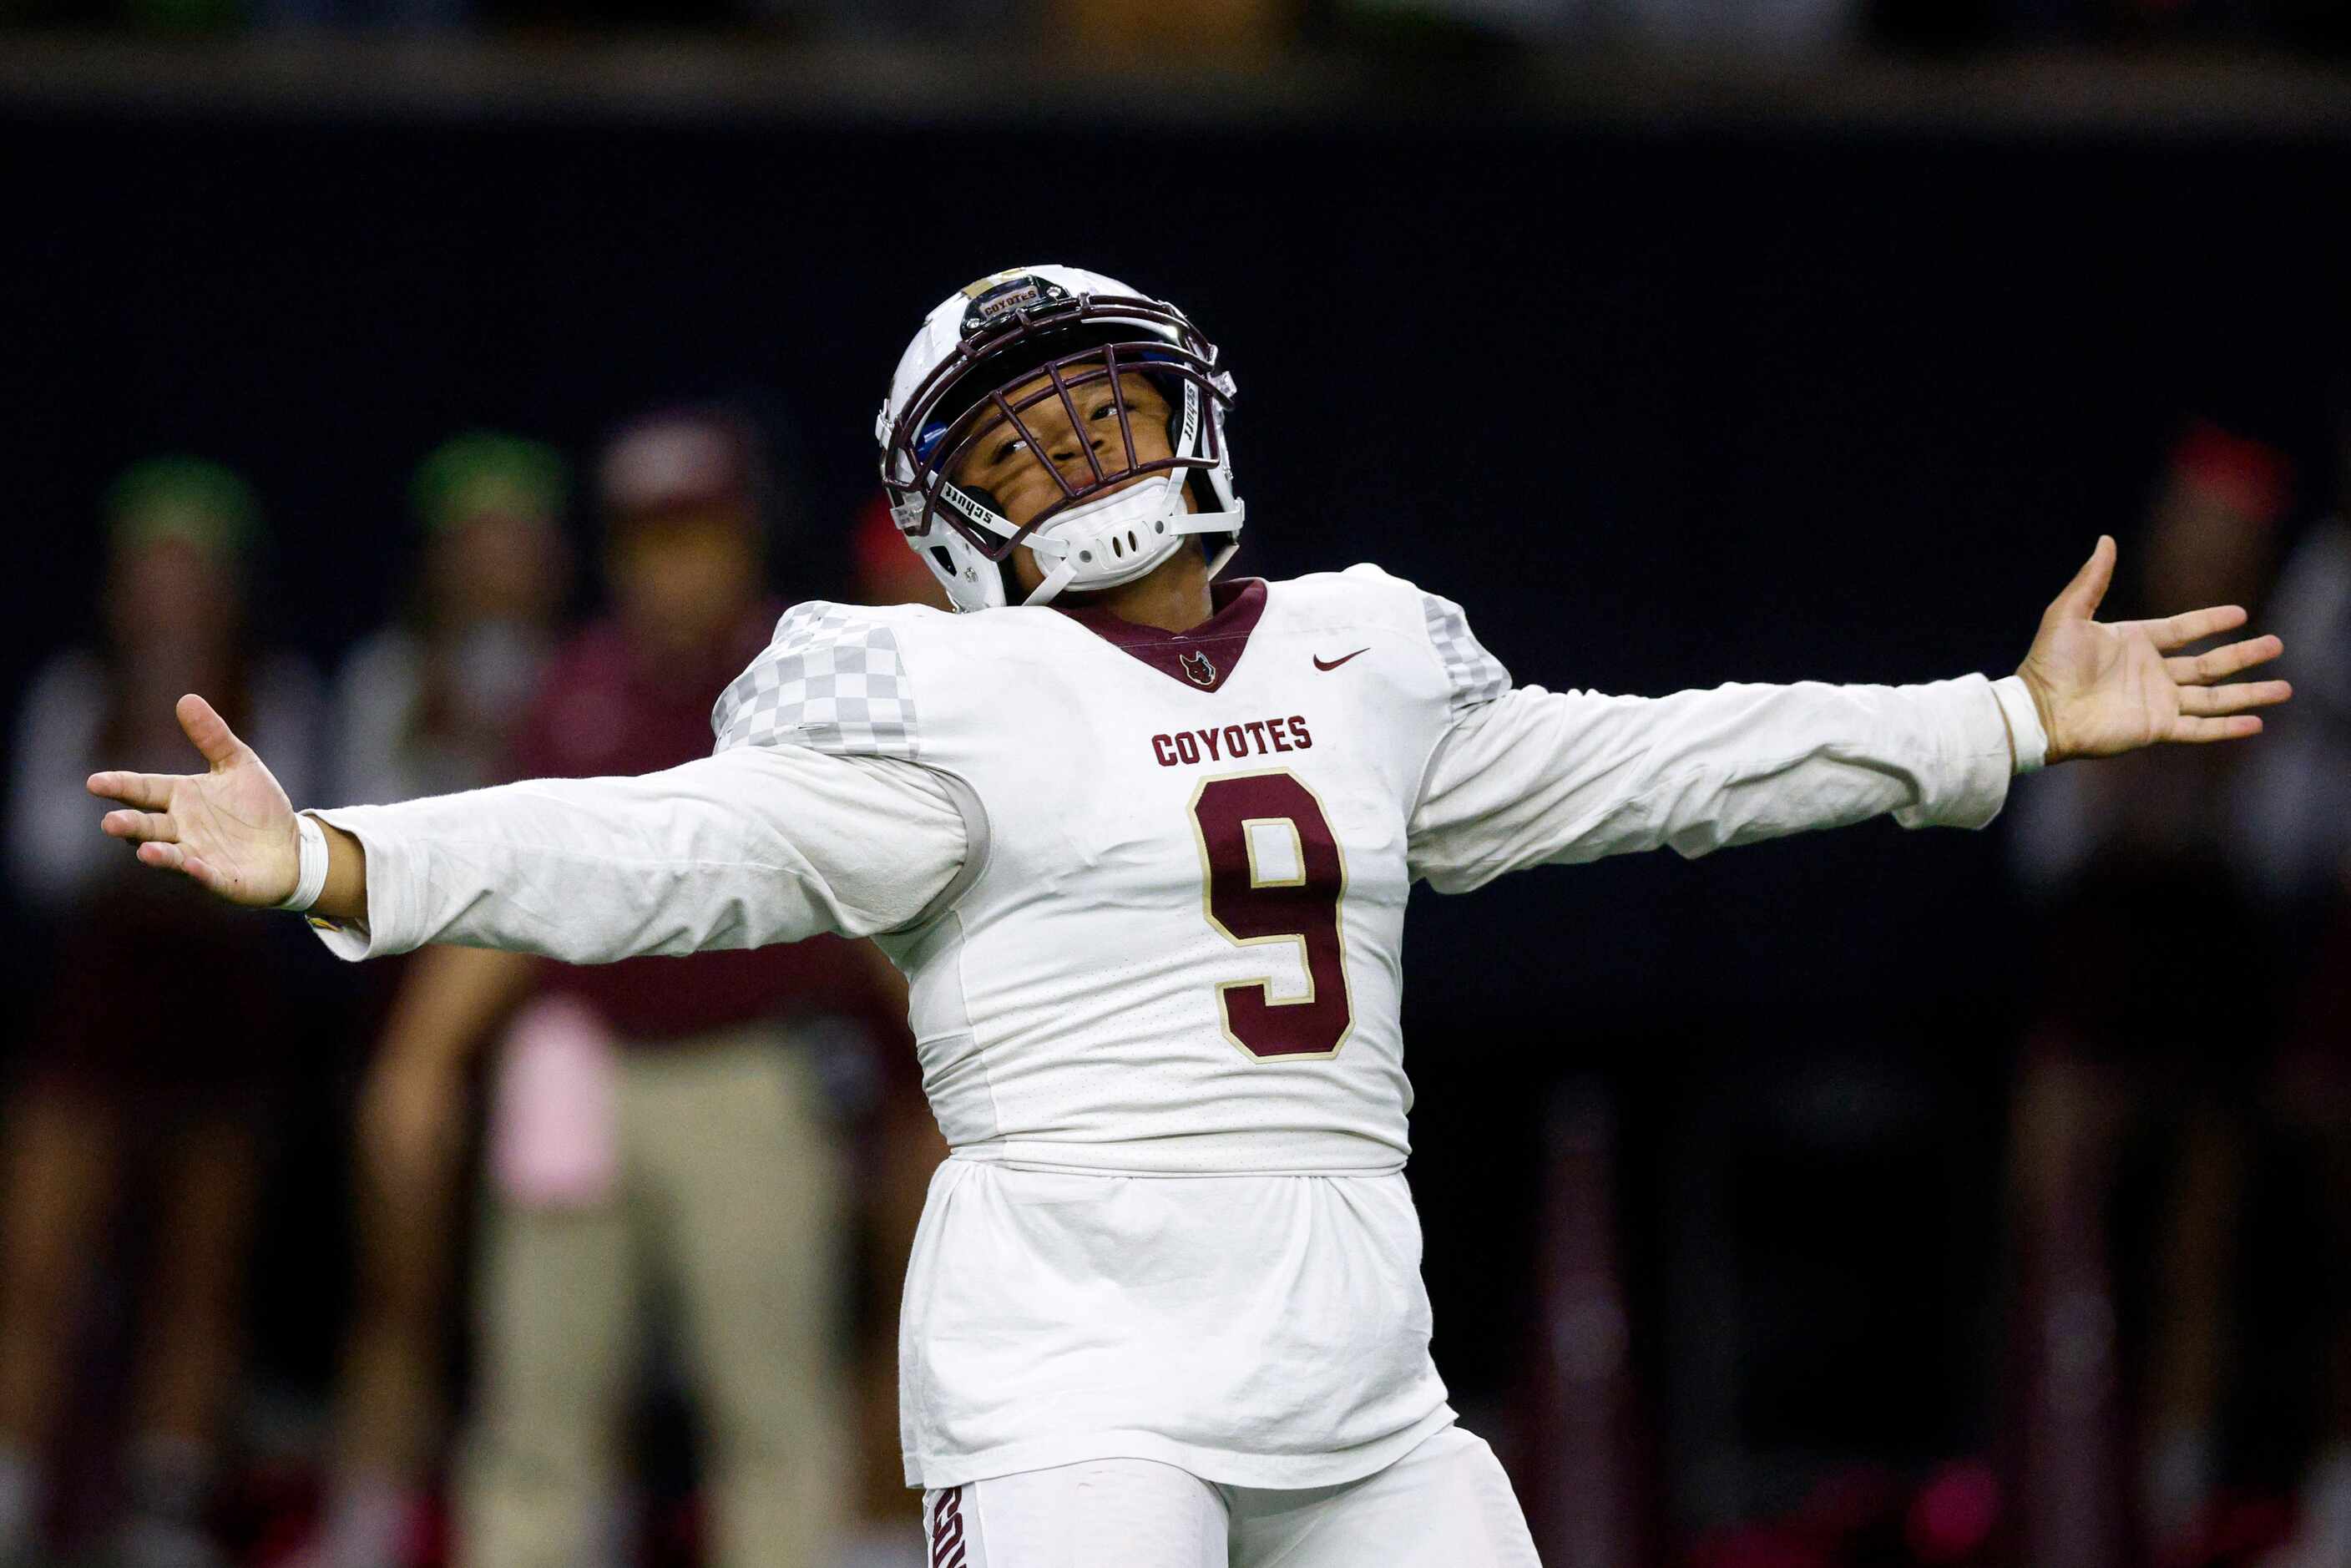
1115	540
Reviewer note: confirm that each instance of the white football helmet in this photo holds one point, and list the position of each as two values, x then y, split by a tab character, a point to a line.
1072	328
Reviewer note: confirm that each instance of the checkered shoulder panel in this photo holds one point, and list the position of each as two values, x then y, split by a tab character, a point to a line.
832	680
1477	676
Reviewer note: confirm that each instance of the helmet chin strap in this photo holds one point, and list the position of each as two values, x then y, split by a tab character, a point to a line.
1057	576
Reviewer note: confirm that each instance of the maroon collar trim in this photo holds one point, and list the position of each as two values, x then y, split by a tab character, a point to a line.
1202	658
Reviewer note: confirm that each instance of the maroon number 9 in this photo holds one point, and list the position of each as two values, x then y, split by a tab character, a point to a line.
1251	901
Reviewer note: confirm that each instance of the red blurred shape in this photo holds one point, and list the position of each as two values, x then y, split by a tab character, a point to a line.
1952	1518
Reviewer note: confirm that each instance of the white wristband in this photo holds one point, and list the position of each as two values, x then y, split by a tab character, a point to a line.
310	875
2023	722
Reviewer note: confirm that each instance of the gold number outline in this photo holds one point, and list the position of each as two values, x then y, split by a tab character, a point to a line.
1305	959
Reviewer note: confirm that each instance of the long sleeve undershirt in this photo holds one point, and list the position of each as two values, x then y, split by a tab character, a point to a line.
753	845
1539	777
760	844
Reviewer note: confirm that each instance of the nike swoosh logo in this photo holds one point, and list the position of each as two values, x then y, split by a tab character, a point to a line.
1334	664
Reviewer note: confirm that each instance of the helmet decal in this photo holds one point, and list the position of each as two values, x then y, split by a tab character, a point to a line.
1007	291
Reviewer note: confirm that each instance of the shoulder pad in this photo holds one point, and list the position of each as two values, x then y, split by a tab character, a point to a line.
1474	676
831	680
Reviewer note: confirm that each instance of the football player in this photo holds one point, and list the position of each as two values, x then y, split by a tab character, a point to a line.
1140	839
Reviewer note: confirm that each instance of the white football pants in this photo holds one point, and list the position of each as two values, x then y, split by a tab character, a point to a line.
1447	1504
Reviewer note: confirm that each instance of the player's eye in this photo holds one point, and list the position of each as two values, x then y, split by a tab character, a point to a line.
1004	452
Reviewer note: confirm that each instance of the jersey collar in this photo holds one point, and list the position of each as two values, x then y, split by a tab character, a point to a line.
1202	658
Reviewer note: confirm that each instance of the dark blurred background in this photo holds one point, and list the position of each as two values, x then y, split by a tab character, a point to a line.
1871	1198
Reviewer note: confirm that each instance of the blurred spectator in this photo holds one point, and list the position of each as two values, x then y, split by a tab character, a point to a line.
2302	804
659	1129
427	705
154	1056
2174	895
2300	799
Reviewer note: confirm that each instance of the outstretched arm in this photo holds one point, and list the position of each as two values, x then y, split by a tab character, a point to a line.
1537	777
754	845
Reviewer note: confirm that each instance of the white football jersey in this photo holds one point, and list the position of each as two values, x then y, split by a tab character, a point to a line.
1180	955
1148	891
1180	952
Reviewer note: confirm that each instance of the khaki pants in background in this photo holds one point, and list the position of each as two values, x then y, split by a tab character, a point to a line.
729	1195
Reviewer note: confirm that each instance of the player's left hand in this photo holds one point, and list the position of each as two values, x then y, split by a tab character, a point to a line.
2107	687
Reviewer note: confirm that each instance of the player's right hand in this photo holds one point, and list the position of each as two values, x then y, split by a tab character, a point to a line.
229	828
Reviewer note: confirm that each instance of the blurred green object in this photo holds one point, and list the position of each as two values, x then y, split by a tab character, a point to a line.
485	473
186	498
